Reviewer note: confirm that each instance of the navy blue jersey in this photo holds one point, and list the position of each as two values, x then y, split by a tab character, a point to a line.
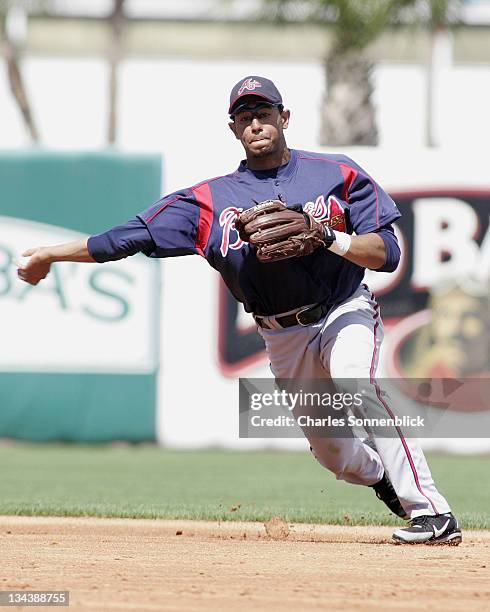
200	220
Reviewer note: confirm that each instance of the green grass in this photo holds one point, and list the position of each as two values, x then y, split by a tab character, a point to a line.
148	482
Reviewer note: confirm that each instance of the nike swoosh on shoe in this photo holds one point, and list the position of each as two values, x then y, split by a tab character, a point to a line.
439	532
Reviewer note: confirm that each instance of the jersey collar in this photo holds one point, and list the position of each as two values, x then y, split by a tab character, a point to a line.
283	172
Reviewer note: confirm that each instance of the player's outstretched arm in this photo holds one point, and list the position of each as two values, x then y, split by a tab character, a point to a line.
41	258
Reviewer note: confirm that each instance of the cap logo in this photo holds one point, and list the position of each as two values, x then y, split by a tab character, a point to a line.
248	85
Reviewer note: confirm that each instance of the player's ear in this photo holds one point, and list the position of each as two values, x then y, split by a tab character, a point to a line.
285	118
232	126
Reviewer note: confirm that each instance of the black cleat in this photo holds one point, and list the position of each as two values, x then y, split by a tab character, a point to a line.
386	493
438	529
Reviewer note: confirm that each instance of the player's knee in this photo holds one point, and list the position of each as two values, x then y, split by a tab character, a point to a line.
331	456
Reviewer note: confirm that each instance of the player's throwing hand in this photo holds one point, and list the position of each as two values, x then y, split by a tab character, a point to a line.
36	267
40	259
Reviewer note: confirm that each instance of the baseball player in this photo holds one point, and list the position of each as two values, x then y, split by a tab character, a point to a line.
299	270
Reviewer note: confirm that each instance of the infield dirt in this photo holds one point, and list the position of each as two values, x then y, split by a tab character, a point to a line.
120	564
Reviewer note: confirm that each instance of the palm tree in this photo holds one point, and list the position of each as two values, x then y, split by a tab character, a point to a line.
11	50
348	112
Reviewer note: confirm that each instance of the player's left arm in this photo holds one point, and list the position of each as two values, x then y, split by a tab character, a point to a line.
371	213
377	250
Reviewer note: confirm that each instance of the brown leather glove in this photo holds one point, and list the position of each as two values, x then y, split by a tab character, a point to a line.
280	232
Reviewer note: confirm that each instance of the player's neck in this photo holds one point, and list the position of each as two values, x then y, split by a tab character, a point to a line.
271	161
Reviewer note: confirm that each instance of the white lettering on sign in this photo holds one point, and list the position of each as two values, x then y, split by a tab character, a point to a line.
444	241
82	317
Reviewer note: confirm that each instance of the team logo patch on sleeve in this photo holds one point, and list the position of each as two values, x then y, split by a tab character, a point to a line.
330	212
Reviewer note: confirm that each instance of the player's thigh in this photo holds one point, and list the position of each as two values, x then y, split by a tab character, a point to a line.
294	352
351	345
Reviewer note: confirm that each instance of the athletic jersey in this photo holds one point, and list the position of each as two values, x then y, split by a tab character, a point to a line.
200	220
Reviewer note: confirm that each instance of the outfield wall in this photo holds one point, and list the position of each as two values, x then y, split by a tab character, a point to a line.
80	352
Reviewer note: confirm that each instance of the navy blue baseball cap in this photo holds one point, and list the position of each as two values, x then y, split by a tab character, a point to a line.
258	86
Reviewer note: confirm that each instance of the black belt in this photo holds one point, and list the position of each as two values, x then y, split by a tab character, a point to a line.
304	317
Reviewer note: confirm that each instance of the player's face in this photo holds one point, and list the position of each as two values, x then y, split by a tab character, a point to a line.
261	130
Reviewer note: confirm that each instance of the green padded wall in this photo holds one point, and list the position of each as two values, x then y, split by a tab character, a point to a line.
66	398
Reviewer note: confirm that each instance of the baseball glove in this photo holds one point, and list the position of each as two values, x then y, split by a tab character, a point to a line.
280	232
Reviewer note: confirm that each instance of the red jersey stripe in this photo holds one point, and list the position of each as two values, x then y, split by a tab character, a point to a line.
204	198
349	175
